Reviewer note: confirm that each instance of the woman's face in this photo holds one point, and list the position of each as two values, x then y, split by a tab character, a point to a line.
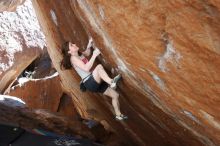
73	48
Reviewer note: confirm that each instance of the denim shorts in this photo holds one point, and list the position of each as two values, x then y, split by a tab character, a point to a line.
93	86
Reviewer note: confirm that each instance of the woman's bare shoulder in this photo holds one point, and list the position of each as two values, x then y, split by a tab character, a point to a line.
74	59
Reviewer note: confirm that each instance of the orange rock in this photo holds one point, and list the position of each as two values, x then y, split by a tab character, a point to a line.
42	93
168	54
67	108
16	113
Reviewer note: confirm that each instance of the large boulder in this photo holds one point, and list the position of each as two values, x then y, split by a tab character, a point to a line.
10	5
44	93
67	108
168	53
21	43
18	114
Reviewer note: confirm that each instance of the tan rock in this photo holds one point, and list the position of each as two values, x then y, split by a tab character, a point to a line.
10	5
67	108
21	42
16	113
42	93
168	54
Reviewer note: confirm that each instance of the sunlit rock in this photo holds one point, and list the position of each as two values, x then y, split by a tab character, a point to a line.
21	42
42	93
168	54
10	5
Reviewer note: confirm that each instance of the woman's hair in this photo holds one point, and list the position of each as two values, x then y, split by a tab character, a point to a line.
65	63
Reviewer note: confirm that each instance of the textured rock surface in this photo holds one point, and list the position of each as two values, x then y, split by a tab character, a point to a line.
10	5
42	66
168	53
21	42
39	93
17	113
66	108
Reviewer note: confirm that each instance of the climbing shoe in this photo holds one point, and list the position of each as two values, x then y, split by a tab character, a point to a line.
114	81
121	117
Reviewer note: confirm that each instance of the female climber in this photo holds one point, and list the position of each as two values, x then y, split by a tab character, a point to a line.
96	80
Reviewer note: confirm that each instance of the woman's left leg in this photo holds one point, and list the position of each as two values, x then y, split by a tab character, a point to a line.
115	102
100	74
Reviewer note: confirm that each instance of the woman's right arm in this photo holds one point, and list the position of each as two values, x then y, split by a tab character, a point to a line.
88	51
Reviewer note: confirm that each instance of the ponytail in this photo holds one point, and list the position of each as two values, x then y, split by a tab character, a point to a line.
65	63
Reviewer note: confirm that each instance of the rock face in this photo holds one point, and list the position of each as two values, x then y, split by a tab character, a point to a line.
21	41
10	5
168	53
39	93
67	108
16	113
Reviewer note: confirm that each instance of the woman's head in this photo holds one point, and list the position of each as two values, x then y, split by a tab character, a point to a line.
73	48
68	49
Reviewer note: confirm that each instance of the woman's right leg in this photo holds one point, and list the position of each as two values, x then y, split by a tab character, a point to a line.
100	74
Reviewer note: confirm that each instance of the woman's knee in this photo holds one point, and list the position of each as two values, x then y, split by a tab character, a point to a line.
112	93
99	66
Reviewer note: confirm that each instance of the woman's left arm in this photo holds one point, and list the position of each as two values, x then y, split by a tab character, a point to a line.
87	52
